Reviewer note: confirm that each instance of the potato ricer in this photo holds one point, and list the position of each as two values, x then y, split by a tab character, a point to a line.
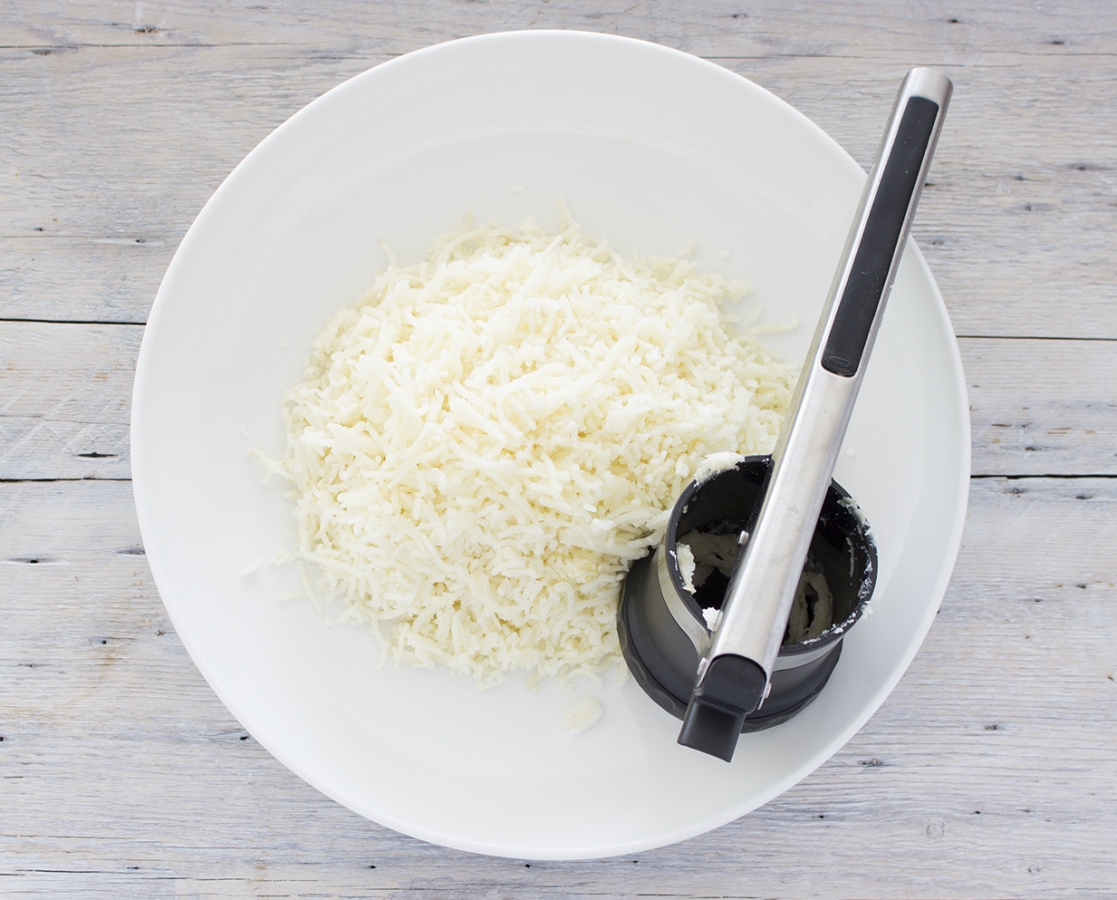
771	527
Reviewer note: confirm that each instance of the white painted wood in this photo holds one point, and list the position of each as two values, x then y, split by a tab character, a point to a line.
1041	407
843	28
116	753
65	395
1020	224
990	771
1038	407
71	279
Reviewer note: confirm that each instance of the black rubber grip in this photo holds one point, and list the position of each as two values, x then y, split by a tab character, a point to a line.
879	240
732	687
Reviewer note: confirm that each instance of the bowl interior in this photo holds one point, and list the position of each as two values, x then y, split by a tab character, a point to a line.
651	149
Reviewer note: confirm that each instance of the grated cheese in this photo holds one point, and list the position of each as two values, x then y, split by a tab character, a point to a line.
483	444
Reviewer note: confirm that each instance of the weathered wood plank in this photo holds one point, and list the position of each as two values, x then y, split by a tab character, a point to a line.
965	30
1038	407
81	279
957	787
1021	220
65	395
1041	407
1018	224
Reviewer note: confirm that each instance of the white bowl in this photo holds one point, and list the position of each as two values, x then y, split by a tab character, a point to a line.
650	148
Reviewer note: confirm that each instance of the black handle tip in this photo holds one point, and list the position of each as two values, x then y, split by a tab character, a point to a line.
731	688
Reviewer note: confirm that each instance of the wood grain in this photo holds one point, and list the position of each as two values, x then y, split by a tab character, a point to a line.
1019	225
105	717
1038	407
968	30
65	394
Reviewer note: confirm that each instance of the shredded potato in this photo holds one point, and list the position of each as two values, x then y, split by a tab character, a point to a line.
487	440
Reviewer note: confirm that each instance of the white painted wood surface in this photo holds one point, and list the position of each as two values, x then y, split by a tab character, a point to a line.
992	769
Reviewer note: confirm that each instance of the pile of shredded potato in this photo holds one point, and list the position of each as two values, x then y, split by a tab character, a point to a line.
487	440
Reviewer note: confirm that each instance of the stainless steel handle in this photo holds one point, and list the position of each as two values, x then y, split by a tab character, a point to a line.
734	673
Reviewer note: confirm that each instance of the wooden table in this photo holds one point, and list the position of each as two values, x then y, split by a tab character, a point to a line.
992	769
